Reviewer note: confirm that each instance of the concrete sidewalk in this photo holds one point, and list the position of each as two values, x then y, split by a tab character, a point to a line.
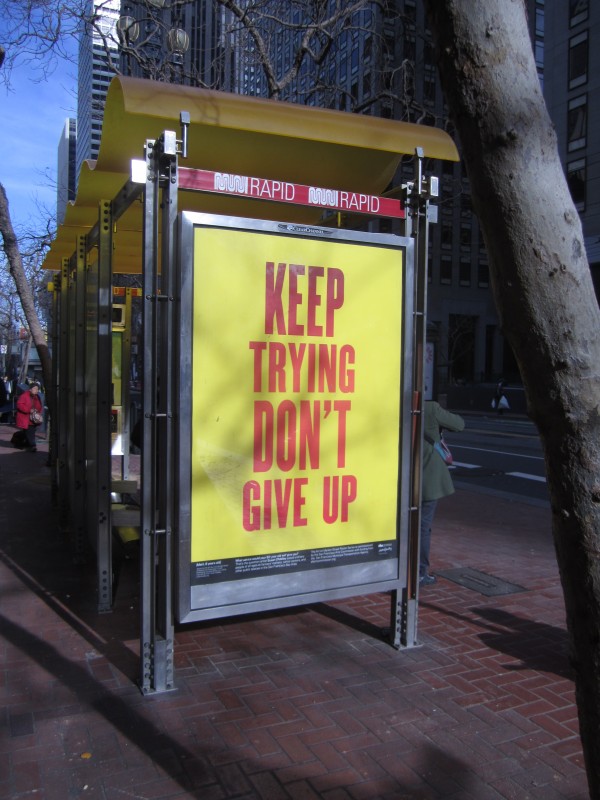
305	703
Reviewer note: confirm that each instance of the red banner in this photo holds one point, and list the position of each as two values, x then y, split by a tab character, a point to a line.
201	180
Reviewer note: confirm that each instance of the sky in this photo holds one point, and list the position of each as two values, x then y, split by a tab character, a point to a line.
32	116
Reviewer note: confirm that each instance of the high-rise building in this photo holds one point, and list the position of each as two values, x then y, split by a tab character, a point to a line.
66	178
150	39
379	62
98	44
179	43
382	63
572	91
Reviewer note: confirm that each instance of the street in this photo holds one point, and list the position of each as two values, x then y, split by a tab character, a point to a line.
499	454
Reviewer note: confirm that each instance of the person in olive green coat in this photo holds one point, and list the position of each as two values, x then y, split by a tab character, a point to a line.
437	482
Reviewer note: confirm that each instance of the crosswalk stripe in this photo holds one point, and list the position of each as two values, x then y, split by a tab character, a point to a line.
524	475
528	477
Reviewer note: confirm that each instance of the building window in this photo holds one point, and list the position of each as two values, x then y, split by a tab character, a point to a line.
578	12
465	236
576	181
578	60
539	54
464	272
410	11
539	22
483	275
577	123
446	270
366	87
446	234
429	86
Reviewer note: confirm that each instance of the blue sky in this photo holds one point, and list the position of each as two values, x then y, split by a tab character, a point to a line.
32	116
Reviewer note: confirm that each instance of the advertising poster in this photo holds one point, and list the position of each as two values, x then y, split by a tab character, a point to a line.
295	403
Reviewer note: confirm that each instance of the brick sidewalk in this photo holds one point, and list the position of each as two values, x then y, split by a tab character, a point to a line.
305	703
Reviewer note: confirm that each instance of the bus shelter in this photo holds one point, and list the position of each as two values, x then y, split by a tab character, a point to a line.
283	342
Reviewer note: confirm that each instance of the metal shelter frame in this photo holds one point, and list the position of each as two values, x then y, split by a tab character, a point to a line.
81	446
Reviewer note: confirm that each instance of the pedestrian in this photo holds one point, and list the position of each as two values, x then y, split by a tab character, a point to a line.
30	414
437	482
500	401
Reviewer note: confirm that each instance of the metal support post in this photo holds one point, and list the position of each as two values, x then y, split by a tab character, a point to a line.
104	394
404	609
79	488
53	451
125	387
61	396
158	492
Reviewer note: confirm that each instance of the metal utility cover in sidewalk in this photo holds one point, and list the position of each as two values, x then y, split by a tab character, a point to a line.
481	582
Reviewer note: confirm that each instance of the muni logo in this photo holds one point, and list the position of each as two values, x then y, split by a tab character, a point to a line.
237	184
322	197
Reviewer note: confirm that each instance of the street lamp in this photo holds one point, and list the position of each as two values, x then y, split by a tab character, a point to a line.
128	29
178	42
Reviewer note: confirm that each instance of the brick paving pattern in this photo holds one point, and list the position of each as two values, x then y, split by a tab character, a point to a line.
305	703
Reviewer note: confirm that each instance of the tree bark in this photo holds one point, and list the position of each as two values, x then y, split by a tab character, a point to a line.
15	262
543	291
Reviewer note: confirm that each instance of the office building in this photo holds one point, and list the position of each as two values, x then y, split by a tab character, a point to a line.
98	46
177	43
572	91
381	64
66	178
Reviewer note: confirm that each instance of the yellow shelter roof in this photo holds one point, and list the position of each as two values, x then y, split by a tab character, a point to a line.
240	135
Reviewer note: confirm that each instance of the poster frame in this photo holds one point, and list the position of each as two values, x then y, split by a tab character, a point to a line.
272	592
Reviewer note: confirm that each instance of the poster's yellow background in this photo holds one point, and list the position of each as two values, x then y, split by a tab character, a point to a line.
229	313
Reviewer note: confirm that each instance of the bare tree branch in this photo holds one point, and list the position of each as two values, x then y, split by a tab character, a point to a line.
24	290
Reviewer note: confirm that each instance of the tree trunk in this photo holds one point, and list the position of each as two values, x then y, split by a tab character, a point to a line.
543	291
13	254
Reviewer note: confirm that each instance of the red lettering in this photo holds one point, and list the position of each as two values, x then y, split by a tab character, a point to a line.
286	435
294	327
275	318
338	493
282	499
347	356
309	434
331	496
314	300
335	297
263	436
268	506
258	348
327	367
299	501
277	354
342	407
297	357
250	513
311	367
348	495
257	506
273	298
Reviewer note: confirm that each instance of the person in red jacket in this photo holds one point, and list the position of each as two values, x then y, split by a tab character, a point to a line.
28	402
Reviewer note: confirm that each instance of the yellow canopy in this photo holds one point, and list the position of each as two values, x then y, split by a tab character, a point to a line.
241	135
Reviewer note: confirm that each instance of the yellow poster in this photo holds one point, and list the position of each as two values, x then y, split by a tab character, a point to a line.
295	398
